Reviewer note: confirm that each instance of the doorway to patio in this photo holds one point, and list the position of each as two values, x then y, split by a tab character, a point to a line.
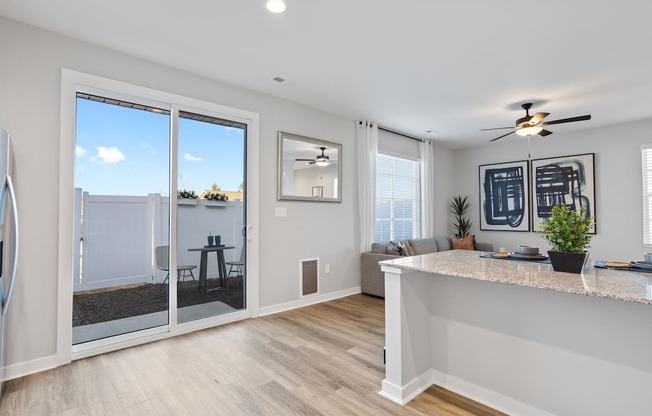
139	165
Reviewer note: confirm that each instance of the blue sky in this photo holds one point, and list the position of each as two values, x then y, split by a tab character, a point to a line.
122	151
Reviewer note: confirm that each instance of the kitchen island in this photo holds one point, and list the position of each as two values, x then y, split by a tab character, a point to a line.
519	336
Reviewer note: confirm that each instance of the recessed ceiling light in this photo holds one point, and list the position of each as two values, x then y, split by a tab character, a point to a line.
432	131
275	6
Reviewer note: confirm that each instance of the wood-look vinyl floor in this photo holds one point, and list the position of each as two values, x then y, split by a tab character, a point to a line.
325	359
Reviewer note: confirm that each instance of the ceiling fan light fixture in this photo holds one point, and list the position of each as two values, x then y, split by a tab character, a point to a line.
322	163
275	6
529	131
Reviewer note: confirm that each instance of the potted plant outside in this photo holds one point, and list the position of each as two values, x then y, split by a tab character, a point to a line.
566	232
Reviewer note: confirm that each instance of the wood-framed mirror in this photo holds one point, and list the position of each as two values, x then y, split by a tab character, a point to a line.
308	169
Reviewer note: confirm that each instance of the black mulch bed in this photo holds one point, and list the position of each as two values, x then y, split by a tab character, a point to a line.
91	308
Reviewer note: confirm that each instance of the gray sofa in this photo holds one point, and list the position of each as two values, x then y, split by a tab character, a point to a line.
372	280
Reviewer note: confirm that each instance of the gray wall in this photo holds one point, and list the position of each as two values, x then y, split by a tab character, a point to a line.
619	215
443	189
30	74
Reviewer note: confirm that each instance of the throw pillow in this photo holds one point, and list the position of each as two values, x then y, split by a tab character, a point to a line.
406	247
465	243
394	248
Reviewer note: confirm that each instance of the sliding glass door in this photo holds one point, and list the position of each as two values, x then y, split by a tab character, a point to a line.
120	217
210	216
128	271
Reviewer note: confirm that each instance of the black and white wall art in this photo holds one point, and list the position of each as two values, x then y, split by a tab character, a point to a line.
504	197
564	180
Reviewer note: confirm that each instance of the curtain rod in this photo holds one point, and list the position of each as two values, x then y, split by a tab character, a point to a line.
400	134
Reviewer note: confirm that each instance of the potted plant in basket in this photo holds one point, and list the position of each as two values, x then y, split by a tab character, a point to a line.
566	232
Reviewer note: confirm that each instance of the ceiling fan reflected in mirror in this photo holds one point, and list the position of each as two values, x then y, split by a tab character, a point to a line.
531	125
320	160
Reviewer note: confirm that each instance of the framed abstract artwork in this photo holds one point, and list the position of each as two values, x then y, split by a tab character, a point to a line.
504	196
563	180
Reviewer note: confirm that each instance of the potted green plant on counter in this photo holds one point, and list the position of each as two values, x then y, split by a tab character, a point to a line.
566	232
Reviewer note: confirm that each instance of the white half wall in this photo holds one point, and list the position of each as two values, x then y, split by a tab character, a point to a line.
619	212
30	78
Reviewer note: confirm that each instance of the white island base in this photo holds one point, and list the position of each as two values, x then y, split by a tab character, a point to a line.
484	328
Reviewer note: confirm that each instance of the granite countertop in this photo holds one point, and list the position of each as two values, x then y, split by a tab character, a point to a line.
628	286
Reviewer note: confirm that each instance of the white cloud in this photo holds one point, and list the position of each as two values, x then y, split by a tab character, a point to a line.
110	155
192	158
80	151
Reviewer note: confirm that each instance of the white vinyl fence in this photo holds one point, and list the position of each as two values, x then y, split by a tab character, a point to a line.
115	236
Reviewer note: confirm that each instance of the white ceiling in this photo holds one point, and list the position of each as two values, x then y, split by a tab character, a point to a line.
415	65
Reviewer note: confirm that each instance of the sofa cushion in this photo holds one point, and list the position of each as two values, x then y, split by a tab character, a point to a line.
465	243
443	243
380	248
424	245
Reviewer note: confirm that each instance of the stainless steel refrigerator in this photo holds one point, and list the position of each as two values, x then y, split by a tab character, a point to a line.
8	238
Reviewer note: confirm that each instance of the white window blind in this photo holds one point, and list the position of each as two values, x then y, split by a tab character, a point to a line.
398	198
646	159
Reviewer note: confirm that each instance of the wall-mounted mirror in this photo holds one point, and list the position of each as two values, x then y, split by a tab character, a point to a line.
309	169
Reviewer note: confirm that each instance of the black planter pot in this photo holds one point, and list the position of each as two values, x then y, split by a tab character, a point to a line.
563	261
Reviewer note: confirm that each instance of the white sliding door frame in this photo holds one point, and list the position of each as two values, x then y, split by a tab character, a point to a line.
71	83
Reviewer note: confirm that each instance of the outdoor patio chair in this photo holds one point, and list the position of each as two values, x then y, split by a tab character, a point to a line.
237	265
163	261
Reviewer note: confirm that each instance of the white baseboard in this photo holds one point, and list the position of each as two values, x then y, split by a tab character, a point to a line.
497	401
485	396
307	301
402	395
30	367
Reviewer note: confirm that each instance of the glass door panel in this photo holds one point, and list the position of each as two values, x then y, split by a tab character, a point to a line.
210	217
121	218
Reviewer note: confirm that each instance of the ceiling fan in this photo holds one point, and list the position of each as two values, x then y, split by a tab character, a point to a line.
320	160
531	125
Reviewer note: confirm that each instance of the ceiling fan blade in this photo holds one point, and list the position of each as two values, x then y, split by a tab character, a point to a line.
497	128
304	160
544	133
567	120
500	137
538	117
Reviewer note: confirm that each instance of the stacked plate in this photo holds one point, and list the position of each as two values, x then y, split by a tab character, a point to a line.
528	253
535	257
641	265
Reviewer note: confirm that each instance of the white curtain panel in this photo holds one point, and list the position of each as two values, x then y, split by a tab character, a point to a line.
427	182
367	150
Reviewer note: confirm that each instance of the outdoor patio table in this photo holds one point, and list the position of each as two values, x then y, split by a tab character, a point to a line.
221	266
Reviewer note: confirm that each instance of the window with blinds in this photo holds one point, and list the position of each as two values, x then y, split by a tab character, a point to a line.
646	159
398	198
